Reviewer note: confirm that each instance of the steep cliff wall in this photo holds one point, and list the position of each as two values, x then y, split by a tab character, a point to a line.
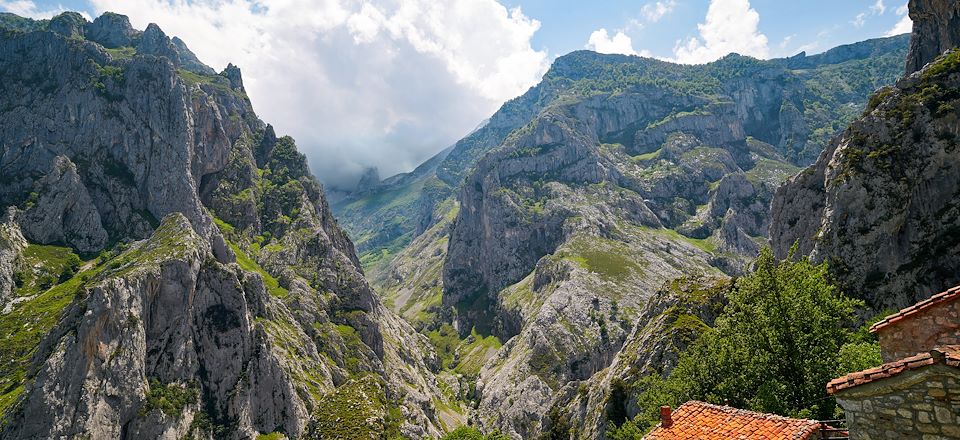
880	203
936	28
242	312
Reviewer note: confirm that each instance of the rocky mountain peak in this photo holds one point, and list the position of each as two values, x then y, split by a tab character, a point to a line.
68	24
936	28
112	30
369	179
155	42
231	72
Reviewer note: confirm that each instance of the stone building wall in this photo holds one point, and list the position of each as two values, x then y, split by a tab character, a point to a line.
921	404
935	327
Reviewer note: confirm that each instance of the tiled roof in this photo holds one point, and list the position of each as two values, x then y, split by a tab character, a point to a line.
949	355
939	298
704	421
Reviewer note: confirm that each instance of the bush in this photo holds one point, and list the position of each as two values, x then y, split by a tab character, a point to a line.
471	433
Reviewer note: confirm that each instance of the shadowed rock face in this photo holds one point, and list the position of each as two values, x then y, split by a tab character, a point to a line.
225	302
936	28
880	202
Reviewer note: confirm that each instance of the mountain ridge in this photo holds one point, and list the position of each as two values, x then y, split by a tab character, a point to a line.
565	231
170	266
378	241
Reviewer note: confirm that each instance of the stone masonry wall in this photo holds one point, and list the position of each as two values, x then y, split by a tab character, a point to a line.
935	327
921	404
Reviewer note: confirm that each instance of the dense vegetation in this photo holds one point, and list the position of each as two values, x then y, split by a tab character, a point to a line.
784	334
471	433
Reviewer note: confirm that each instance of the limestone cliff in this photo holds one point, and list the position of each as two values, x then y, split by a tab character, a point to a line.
168	265
936	28
880	203
794	104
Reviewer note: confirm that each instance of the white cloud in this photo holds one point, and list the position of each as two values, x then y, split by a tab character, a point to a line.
879	8
385	83
653	12
786	41
904	25
27	8
730	26
600	41
859	20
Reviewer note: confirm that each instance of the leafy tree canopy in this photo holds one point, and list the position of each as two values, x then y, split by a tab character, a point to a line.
784	334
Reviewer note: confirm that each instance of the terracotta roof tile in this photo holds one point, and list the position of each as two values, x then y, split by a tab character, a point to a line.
949	355
704	421
939	298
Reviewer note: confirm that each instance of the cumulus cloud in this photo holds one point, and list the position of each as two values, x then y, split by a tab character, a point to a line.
27	8
601	41
730	26
653	12
904	25
383	83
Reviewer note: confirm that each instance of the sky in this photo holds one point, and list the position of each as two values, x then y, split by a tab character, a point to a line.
389	83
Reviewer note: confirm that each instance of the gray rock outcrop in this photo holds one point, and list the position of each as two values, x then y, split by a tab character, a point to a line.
936	28
63	211
12	245
243	312
112	30
879	204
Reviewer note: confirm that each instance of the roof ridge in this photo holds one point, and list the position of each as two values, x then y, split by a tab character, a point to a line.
948	355
950	294
739	411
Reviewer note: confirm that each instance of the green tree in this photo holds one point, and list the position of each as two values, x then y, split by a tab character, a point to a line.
773	348
471	433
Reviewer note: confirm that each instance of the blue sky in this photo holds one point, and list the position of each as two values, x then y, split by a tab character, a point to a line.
789	25
389	83
565	25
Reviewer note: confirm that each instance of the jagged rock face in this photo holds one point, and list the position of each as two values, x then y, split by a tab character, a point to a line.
64	212
880	203
71	98
673	318
12	245
212	329
936	28
510	216
112	30
172	314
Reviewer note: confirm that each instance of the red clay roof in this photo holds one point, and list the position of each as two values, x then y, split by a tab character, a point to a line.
949	355
939	298
704	421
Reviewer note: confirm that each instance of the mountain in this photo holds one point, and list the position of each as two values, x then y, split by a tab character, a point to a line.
547	240
880	202
569	228
826	91
168	266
